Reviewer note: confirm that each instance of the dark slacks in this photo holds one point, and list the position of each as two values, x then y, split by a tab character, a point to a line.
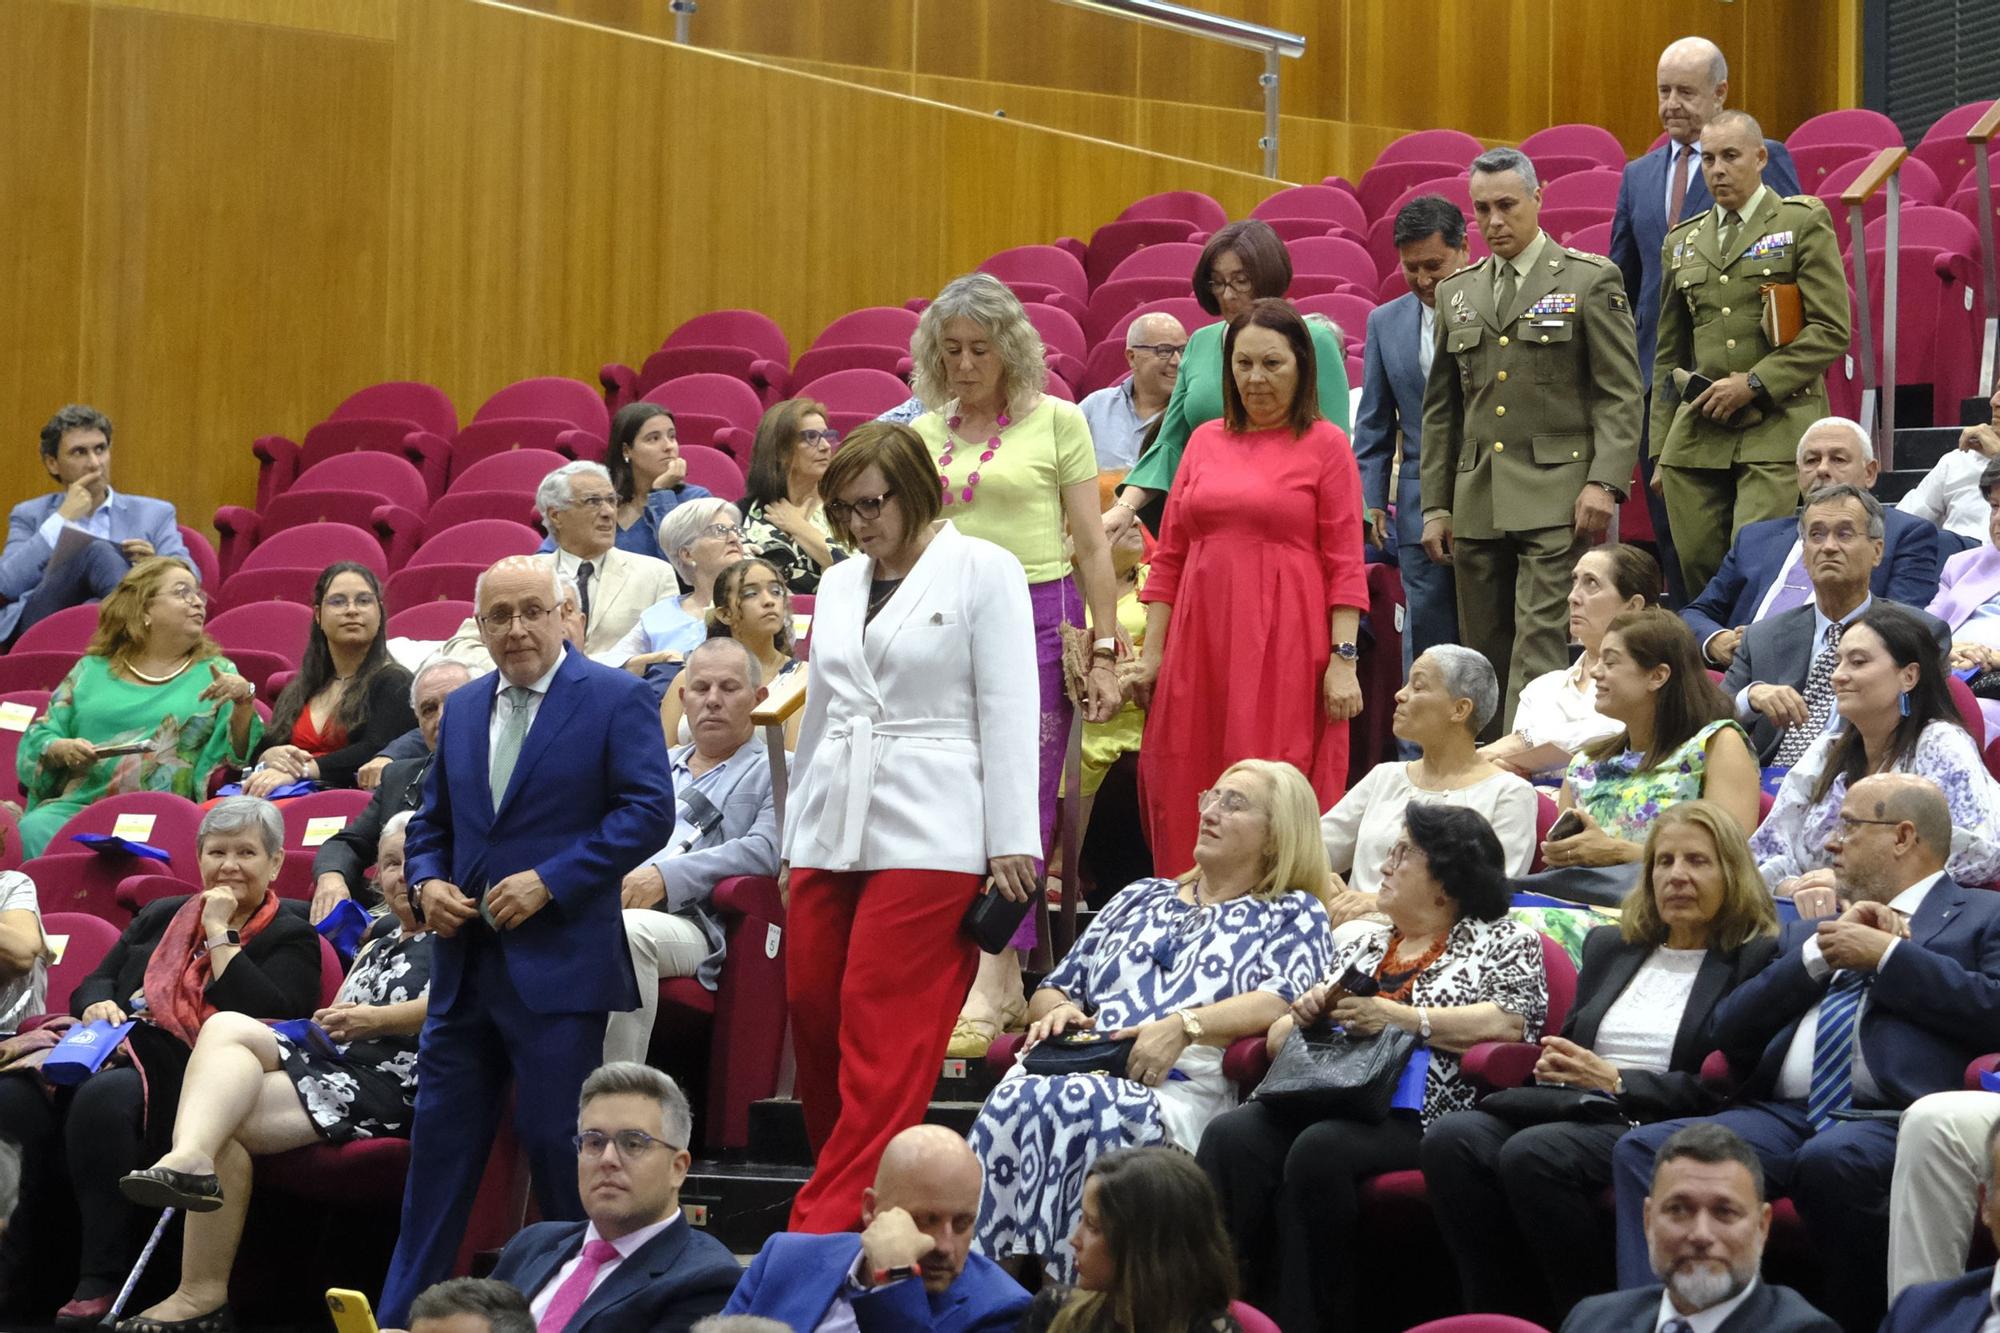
1838	1180
97	1130
1291	1197
1522	1211
466	1055
88	576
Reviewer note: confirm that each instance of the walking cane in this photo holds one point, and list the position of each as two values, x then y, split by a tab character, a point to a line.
145	1257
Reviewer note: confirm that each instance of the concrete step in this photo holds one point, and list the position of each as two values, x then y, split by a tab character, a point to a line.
1918	448
741	1204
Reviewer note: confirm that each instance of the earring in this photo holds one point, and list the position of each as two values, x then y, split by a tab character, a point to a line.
1903	703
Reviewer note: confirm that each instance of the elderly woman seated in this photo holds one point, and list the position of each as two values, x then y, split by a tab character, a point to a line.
181	962
254	1089
1450	966
1452	693
349	698
1680	741
1182	967
701	539
1517	1181
152	705
1896	716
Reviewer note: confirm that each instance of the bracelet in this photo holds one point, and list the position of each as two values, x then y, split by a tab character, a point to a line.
1125	505
1423	1022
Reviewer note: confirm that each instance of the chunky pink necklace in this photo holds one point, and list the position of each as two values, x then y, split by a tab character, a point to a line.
1000	423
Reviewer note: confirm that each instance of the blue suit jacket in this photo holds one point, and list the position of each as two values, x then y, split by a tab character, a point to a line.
795	1278
1955	1305
591	797
27	552
1767	1309
1908	572
1933	1007
1392	401
1639	229
676	1278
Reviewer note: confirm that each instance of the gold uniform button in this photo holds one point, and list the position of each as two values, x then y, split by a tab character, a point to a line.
1725	277
1725	310
1499	446
1503	340
1767	272
1730	343
1503	377
1499	411
1545	337
1576	453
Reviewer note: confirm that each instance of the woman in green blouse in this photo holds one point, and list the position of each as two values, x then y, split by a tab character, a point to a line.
1242	263
150	677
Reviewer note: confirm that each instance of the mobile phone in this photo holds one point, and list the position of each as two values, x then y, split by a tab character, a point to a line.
351	1311
1696	386
1567	825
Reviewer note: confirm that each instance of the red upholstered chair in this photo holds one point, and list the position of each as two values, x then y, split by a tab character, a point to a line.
12	727
518	470
70	878
874	338
1920	185
13	854
1591	189
1386	182
447	567
1118	302
1042	266
854	397
275	567
66	631
1944	149
1250	1319
715	411
1113	241
1938	300
136	891
402	417
1453	146
342	489
1815	162
1347	310
34	671
1298	229
89	939
1594	239
1063	345
549	412
1854	125
1381	239
1181	205
1479	1323
203	556
429	620
1968	709
1564	223
402	532
1174	259
299	812
1331	255
718	472
1993	758
742	343
1546	814
1593	142
1317	202
276	628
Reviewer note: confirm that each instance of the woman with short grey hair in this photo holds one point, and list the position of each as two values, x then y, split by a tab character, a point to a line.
241	814
701	538
1452	693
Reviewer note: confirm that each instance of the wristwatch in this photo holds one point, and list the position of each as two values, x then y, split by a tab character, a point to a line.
1190	1025
228	937
1757	387
1346	652
896	1274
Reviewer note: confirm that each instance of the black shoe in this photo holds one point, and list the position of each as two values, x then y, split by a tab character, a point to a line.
220	1320
159	1187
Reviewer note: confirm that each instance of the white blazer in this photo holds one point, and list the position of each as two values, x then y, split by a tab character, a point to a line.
919	748
629	584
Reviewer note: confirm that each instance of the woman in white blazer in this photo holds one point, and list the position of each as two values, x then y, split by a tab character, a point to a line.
915	779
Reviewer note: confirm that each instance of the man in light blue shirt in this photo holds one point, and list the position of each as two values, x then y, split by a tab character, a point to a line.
38	577
1120	414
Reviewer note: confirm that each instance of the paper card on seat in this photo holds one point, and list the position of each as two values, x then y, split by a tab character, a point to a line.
321	827
134	827
15	715
801	626
58	946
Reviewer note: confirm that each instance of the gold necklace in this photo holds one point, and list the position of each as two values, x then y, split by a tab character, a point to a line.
186	662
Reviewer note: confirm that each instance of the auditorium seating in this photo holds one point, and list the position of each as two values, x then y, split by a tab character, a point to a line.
713	411
448	565
875	338
854	397
548	412
66	631
18	711
285	566
70	878
429	620
714	471
1041	273
402	417
346	488
744	344
1191	206
88	938
1944	150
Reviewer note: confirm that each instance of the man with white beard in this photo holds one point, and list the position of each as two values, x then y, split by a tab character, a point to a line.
1706	1224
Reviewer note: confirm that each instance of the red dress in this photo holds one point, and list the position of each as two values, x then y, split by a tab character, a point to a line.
1261	539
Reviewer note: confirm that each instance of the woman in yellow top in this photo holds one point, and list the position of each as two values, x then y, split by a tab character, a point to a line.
1017	467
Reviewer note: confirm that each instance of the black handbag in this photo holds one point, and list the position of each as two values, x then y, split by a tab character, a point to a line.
1526	1107
1079	1052
1335	1074
993	918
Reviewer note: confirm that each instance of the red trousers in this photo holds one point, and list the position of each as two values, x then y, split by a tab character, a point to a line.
875	971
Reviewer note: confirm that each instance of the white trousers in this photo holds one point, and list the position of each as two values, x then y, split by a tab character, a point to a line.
663	945
1934	1195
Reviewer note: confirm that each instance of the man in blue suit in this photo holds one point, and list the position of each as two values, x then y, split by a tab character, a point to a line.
550	783
76	450
1956	1304
1764	573
635	1266
910	1270
1402	339
1854	1019
1661	190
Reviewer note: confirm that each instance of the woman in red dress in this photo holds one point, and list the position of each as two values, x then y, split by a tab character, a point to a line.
1256	589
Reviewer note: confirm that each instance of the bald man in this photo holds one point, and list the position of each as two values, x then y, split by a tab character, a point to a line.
1664	189
910	1269
1120	414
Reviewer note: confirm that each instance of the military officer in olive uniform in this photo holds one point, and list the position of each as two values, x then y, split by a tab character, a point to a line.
1726	456
1531	425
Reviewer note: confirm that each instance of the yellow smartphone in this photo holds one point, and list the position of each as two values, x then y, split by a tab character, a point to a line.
351	1311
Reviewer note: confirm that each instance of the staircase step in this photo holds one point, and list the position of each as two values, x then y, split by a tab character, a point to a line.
1974	411
778	1128
741	1204
964	1080
1893	486
1918	448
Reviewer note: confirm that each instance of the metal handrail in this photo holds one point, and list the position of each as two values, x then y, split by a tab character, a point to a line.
1273	42
1980	136
1878	389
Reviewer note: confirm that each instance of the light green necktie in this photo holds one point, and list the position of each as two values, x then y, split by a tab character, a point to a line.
1505	280
512	733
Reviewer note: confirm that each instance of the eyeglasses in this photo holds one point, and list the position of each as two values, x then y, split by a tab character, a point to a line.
1397	855
1231	802
1847	823
868	507
185	592
1819	534
340	601
1240	284
1164	351
819	437
595	502
631	1143
530	615
720	531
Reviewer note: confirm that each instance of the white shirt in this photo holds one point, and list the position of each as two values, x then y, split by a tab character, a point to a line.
1638	1030
569	564
1702	1321
1366	822
97	522
1691	169
1427	318
626	1246
501	704
1795	1075
1560	708
1820	626
1949	495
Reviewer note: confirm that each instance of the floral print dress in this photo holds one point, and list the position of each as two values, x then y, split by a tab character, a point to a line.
369	1091
1624	799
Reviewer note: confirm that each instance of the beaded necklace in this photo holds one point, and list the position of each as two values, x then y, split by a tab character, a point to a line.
951	443
1400	992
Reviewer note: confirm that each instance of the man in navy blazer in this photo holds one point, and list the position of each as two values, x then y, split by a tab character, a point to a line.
1854	1019
1402	338
1693	85
910	1270
1764	573
1959	1304
76	450
550	782
636	1266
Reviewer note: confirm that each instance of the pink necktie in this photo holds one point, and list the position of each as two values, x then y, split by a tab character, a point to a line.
575	1289
1677	190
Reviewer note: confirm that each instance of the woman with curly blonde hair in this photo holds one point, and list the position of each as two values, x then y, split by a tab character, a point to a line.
1017	467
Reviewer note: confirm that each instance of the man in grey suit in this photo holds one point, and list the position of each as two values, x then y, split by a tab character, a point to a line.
1659	192
726	823
76	450
1841	530
1706	1224
1402	340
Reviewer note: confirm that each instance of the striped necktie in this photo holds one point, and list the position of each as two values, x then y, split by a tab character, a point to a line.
1832	1086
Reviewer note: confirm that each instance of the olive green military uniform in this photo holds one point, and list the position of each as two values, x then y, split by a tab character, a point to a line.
1524	407
1716	478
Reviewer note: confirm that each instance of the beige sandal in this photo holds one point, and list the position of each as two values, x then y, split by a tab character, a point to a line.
970	1038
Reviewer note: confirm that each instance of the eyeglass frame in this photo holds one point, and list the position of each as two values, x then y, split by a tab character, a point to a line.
837	511
720	531
593	502
1163	351
1242	282
827	434
193	595
616	1139
1222	796
534	613
340	601
1847	823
